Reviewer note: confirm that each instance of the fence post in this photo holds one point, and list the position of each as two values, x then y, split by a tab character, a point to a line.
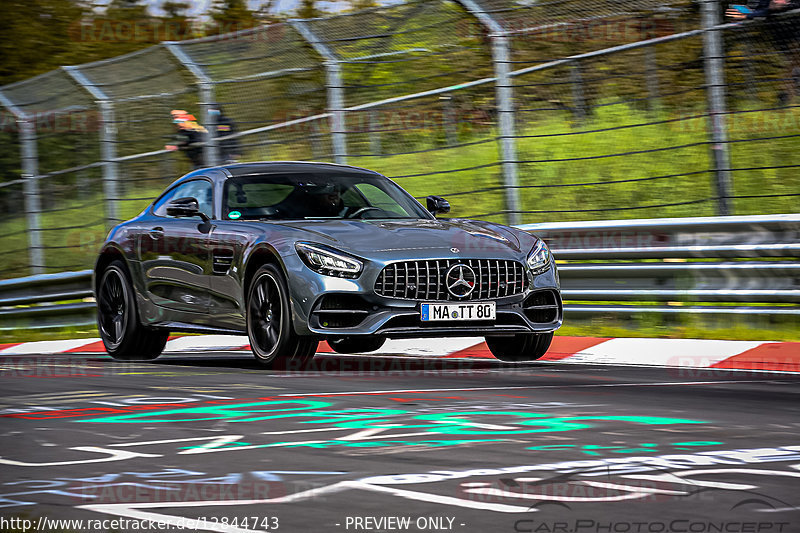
578	95
333	72
336	109
33	202
505	112
651	76
108	142
109	155
29	160
504	95
714	59
207	100
449	119
375	133
211	153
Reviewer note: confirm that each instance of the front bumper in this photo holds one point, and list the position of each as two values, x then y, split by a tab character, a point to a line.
329	306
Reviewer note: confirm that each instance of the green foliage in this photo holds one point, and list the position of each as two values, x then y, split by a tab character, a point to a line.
537	142
36	36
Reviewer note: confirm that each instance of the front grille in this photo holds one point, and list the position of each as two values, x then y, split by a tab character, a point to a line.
425	280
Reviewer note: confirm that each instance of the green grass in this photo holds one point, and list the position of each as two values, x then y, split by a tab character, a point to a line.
74	248
49	334
687	327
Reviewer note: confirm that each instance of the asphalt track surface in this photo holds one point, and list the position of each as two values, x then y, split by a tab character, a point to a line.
211	442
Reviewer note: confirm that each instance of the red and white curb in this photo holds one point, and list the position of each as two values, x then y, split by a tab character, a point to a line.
689	353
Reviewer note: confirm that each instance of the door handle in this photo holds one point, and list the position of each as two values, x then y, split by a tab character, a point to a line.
156	233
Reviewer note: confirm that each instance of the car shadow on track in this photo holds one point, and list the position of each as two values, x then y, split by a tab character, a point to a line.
335	363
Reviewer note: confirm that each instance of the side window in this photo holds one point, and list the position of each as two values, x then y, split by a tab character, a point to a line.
202	190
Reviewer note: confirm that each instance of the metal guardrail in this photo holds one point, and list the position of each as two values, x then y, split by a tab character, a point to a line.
682	265
20	299
732	262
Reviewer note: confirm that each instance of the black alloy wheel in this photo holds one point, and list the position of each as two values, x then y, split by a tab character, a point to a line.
269	325
123	336
112	308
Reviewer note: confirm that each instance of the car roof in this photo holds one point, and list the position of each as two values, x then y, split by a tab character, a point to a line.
268	167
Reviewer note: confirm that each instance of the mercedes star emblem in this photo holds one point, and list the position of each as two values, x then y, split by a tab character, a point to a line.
460	280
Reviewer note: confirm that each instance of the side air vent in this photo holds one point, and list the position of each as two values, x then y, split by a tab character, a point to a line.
341	311
542	307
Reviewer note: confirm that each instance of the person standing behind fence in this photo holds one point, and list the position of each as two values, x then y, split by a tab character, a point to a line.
785	34
229	149
188	136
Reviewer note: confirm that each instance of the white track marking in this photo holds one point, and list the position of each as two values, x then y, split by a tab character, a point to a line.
663	352
532	387
46	347
444	500
428	347
132	510
194	343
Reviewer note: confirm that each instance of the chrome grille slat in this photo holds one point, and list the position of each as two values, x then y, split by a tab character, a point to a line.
515	279
480	279
396	286
505	263
405	289
497	279
397	280
416	267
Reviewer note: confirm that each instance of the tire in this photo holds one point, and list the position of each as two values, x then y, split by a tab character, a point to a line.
356	344
273	341
124	337
523	347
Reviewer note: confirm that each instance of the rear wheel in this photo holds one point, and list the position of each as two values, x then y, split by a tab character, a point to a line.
523	347
269	324
123	336
356	344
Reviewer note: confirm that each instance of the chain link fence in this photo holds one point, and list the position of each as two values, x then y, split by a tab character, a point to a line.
516	111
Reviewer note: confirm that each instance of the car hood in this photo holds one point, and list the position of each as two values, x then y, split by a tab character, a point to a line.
362	237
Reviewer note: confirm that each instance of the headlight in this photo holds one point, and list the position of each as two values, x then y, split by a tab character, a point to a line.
328	261
539	258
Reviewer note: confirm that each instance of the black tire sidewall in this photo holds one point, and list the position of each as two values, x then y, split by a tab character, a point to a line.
131	321
355	345
285	331
520	348
139	342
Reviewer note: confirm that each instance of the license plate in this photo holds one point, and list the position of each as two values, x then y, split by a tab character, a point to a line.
458	312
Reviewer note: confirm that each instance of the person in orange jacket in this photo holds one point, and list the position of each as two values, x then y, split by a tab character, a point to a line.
188	136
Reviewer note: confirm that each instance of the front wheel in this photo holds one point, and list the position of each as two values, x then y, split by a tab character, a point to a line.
522	347
269	324
123	336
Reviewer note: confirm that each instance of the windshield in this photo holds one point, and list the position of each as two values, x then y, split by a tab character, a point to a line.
317	196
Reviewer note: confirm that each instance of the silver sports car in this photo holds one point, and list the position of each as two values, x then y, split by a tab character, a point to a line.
293	253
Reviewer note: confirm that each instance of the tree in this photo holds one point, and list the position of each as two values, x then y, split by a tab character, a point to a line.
358	5
127	10
36	35
308	9
175	10
231	15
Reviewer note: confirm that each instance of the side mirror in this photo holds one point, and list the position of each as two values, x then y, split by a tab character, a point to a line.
438	205
185	207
